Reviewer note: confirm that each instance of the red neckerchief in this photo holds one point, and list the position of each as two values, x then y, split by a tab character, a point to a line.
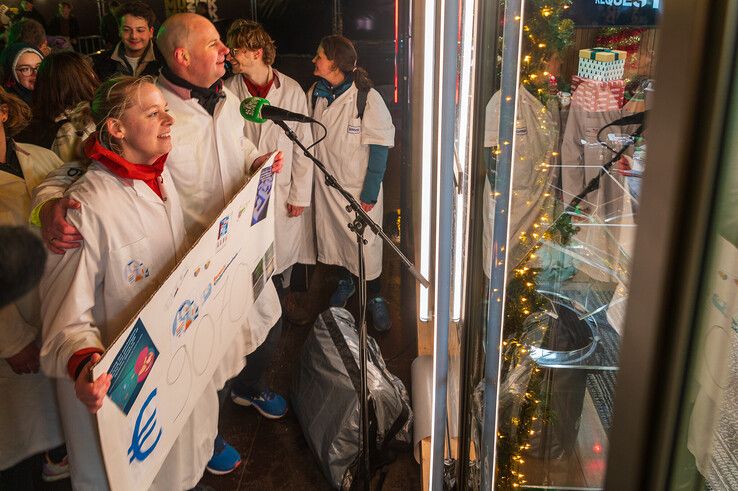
259	90
123	168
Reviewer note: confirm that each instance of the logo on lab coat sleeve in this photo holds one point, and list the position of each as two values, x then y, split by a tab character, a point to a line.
135	271
354	130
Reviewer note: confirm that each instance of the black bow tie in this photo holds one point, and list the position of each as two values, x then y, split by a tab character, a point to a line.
207	97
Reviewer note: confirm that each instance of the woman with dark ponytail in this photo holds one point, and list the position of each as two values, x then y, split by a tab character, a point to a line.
360	134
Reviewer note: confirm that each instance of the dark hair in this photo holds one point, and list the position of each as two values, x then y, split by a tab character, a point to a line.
19	114
342	53
136	9
64	80
252	36
27	30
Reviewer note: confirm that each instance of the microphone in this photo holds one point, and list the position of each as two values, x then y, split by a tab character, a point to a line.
258	110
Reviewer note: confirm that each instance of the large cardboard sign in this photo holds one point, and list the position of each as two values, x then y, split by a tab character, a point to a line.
163	360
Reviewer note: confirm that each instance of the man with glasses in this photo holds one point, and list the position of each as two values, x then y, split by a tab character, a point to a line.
252	52
136	53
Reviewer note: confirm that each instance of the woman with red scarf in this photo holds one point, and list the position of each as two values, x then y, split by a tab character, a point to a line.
132	222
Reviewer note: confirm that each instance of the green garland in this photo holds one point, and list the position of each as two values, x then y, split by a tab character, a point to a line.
546	33
514	435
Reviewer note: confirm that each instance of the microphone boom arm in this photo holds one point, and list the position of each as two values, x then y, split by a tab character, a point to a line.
353	205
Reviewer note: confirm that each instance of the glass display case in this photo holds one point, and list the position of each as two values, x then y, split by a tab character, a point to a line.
549	178
575	287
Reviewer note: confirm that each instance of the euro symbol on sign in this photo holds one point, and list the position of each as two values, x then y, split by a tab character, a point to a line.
141	434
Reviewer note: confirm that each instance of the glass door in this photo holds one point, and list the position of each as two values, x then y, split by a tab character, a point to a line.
560	151
705	452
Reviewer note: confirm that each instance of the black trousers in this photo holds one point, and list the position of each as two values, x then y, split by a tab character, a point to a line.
250	381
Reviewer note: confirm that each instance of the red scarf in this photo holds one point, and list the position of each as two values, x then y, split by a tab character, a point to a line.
123	168
259	90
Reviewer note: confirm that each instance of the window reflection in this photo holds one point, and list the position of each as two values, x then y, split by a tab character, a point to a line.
579	156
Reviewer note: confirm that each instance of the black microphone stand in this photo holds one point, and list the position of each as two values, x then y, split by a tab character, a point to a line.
594	183
361	221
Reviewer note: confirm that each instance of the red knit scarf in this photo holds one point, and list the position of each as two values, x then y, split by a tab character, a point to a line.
123	168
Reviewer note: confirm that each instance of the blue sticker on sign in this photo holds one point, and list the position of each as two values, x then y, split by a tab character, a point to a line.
141	444
261	204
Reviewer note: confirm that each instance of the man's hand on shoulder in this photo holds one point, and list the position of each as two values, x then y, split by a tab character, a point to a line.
58	234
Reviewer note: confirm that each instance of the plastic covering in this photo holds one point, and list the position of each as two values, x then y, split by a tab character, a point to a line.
324	398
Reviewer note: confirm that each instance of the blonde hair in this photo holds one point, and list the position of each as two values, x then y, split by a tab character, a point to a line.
111	100
251	35
19	114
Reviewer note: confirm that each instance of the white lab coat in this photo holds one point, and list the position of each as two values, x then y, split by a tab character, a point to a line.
29	420
532	179
209	162
345	153
88	299
294	241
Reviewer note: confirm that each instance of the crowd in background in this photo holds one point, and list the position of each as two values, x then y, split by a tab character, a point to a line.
91	144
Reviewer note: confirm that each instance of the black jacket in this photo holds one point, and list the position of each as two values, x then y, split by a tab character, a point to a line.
55	27
113	62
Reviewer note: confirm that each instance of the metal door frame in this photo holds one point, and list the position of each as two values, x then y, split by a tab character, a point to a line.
694	69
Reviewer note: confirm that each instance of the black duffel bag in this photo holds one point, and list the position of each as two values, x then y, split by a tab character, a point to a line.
325	399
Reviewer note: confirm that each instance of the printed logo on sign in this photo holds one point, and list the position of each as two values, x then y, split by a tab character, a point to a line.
206	293
186	315
261	202
219	275
135	271
141	440
222	232
354	130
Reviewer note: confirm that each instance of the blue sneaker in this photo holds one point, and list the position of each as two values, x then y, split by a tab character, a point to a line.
344	291
379	314
269	404
225	461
